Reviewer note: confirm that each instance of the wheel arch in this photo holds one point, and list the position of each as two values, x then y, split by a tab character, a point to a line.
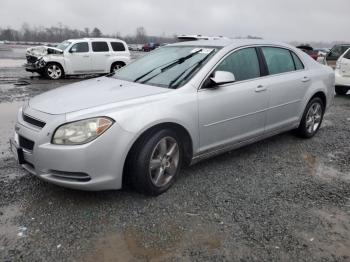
321	95
117	62
58	63
180	130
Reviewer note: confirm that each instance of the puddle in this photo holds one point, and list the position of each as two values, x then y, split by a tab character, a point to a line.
322	171
8	114
160	242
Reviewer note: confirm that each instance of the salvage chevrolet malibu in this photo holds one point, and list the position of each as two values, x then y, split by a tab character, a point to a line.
77	57
177	105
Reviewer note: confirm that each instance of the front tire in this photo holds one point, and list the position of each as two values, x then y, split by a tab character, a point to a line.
341	90
54	71
155	162
312	118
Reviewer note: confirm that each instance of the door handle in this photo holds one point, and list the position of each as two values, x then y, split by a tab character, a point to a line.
260	88
305	79
107	55
86	56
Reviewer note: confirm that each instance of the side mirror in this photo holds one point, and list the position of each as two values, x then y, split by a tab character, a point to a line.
73	49
223	77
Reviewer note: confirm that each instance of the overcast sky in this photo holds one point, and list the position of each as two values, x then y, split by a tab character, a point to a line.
284	20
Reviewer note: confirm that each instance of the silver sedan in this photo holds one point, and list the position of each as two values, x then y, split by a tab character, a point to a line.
173	107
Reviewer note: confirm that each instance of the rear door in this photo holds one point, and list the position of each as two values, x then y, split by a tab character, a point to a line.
78	59
288	82
100	57
234	112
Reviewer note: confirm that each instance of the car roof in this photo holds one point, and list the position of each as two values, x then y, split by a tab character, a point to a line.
95	39
233	43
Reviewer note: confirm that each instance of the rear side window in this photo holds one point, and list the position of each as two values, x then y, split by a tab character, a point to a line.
117	46
298	64
244	64
100	47
278	60
82	47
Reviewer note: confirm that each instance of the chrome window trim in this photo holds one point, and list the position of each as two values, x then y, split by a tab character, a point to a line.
251	79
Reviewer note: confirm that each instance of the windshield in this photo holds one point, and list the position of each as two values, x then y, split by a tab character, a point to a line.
63	45
170	66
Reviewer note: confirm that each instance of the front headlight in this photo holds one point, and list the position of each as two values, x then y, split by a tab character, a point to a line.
81	132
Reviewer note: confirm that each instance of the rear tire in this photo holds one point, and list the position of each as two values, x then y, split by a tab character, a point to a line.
341	90
312	118
54	71
155	162
116	66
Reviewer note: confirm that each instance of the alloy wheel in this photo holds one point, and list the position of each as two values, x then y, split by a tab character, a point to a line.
164	161
314	117
117	67
54	72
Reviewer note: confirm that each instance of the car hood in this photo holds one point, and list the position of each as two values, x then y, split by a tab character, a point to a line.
39	51
91	93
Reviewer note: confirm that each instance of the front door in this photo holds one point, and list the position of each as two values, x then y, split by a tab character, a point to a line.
234	112
78	59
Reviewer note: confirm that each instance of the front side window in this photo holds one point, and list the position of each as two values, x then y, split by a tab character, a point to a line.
117	46
169	66
82	47
244	64
278	60
100	47
336	52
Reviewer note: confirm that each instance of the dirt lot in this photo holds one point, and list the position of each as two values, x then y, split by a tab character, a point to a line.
282	199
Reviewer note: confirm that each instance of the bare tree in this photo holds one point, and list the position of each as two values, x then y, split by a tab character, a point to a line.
96	32
141	36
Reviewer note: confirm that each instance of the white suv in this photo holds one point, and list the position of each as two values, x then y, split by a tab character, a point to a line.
342	74
78	56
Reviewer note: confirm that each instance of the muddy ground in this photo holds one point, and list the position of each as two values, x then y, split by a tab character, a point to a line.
282	199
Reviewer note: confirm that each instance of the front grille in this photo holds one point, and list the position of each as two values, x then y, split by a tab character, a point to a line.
72	176
31	59
33	121
26	143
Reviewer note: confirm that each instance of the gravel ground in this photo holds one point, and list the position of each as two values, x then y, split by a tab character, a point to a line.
282	199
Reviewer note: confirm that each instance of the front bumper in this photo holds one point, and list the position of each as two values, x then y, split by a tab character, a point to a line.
341	80
97	165
33	67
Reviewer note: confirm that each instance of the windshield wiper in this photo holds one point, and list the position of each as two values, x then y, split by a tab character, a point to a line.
167	66
196	65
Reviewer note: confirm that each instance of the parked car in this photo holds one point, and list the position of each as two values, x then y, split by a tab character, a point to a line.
333	55
149	47
175	106
78	56
309	50
342	74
